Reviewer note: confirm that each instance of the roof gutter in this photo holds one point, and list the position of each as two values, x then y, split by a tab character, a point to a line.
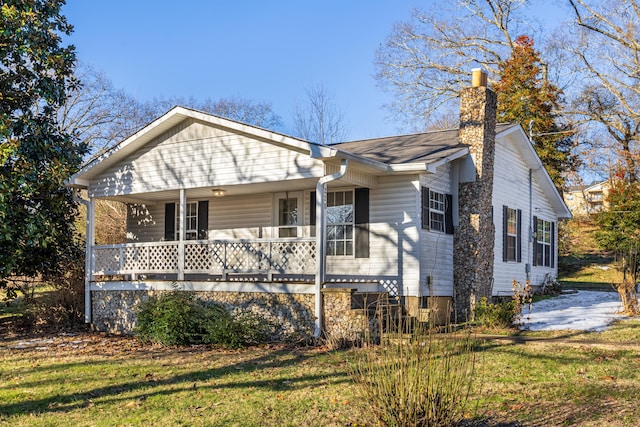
321	241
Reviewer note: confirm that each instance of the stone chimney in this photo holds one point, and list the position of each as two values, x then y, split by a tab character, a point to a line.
474	238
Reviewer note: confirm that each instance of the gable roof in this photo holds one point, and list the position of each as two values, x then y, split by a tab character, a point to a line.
167	121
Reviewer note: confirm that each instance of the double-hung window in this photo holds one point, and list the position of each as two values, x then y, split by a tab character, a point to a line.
196	220
340	222
190	221
511	234
437	211
544	241
437	208
347	222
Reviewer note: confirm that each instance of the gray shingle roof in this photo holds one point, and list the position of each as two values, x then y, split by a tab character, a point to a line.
420	147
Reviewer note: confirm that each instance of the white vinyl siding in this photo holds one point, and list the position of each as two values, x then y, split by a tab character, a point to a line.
194	154
145	223
511	188
436	248
240	217
393	236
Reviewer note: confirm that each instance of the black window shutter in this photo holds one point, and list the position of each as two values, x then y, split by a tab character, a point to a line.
448	215
170	221
312	208
425	208
505	225
361	232
553	245
203	219
519	237
535	240
312	213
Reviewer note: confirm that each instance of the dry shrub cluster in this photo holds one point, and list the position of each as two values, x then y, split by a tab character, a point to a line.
54	301
421	378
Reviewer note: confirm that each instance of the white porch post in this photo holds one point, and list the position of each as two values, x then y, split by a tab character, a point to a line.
181	219
89	262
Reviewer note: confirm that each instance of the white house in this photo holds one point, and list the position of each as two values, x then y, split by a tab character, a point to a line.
585	200
295	230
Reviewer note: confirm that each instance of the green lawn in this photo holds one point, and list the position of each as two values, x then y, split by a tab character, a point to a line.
97	380
562	378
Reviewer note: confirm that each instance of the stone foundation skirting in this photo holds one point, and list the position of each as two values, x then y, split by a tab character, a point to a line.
344	326
291	314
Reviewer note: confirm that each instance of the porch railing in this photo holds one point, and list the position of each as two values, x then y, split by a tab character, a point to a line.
283	256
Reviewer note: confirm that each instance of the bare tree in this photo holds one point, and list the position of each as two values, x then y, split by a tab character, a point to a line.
319	120
609	56
256	113
425	62
99	114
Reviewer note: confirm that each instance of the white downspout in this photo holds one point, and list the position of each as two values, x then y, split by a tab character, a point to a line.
530	242
89	242
321	240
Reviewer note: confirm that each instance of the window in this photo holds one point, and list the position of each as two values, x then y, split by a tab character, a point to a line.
196	220
437	211
288	217
288	214
511	234
191	221
544	241
340	222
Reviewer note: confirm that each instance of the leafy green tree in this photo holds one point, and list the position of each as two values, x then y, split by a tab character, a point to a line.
620	232
525	96
36	156
620	223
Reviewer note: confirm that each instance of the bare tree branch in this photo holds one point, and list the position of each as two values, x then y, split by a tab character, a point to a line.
319	120
425	62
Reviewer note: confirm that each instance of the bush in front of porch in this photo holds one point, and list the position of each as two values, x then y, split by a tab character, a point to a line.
180	318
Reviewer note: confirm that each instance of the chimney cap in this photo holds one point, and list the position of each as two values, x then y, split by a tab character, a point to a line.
478	78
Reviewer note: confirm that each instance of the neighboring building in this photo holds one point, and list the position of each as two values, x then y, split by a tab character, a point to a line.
585	200
297	231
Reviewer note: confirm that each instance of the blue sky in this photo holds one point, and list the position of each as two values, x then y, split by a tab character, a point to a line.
260	50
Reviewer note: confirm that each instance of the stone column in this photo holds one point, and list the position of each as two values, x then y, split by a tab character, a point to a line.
474	238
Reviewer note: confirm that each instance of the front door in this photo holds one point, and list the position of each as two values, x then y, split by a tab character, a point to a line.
288	214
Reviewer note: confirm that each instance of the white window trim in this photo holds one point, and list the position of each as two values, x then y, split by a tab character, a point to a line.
543	238
187	231
352	223
514	236
433	211
299	195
